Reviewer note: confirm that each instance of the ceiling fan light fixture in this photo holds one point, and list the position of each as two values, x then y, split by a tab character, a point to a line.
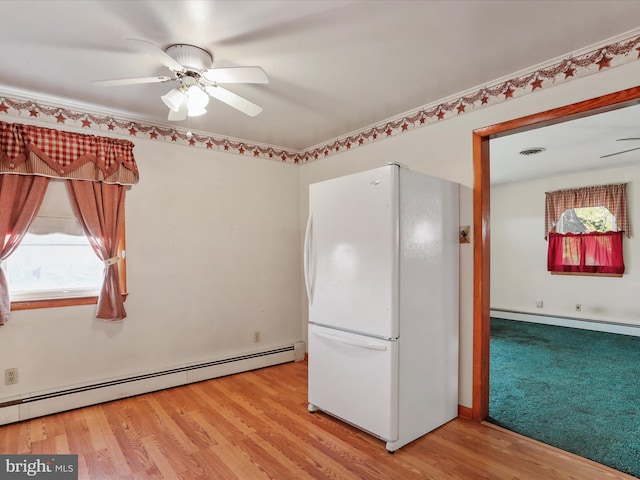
173	99
181	114
197	111
192	68
197	100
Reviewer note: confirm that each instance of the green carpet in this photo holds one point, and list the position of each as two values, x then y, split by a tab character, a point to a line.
577	390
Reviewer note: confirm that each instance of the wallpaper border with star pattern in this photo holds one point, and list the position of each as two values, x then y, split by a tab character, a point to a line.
569	68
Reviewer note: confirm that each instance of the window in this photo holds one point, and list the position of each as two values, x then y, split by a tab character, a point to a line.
55	263
98	172
584	227
586	241
586	219
52	266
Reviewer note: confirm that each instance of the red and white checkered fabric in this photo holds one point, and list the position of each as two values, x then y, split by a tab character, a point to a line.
64	149
613	197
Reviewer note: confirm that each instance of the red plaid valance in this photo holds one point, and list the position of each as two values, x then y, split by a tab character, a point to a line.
31	150
613	197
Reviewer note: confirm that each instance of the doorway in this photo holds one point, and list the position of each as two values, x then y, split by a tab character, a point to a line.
481	214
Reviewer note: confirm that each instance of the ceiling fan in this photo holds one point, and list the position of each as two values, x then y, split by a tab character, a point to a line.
623	151
197	80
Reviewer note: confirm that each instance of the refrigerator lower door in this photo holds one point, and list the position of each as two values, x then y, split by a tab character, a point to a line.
355	378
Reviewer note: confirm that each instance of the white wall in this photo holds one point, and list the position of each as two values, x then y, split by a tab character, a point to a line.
519	275
212	256
445	150
219	256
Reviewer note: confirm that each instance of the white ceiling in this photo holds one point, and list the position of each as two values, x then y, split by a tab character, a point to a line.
576	145
335	66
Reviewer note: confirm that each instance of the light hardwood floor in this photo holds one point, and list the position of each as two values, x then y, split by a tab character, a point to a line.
255	425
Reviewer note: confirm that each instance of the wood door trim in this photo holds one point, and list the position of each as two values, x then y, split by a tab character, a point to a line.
481	220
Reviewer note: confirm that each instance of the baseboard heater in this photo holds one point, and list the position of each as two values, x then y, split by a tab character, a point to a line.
35	405
571	322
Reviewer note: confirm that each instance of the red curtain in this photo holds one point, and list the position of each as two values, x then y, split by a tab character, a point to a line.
99	207
20	200
99	167
597	252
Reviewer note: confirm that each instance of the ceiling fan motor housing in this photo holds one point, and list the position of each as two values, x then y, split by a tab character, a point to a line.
190	57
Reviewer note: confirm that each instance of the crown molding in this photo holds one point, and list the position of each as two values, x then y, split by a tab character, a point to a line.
620	50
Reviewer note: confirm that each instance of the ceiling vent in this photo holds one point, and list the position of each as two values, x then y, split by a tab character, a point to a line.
532	151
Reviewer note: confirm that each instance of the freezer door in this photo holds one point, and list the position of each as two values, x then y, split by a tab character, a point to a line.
351	252
355	378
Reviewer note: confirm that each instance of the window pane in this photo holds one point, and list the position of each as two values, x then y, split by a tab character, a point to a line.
587	219
54	265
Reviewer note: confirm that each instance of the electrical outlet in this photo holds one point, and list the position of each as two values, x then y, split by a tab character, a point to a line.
11	376
539	303
257	336
578	307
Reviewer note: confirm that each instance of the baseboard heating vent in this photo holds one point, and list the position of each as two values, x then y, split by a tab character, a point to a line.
571	322
65	399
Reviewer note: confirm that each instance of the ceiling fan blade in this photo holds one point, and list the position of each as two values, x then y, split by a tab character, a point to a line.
618	153
130	81
158	54
236	75
233	100
630	138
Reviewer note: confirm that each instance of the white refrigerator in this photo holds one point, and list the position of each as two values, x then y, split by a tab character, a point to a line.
381	272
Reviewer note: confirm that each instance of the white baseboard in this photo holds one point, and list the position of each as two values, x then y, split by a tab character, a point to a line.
37	404
583	324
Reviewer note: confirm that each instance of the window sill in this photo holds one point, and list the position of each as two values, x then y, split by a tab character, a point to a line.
57	302
588	274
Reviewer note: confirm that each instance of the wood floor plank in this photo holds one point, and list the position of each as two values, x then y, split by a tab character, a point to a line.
61	445
159	457
104	433
256	425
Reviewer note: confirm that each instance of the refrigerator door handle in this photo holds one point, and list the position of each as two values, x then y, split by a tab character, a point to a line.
308	245
351	342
